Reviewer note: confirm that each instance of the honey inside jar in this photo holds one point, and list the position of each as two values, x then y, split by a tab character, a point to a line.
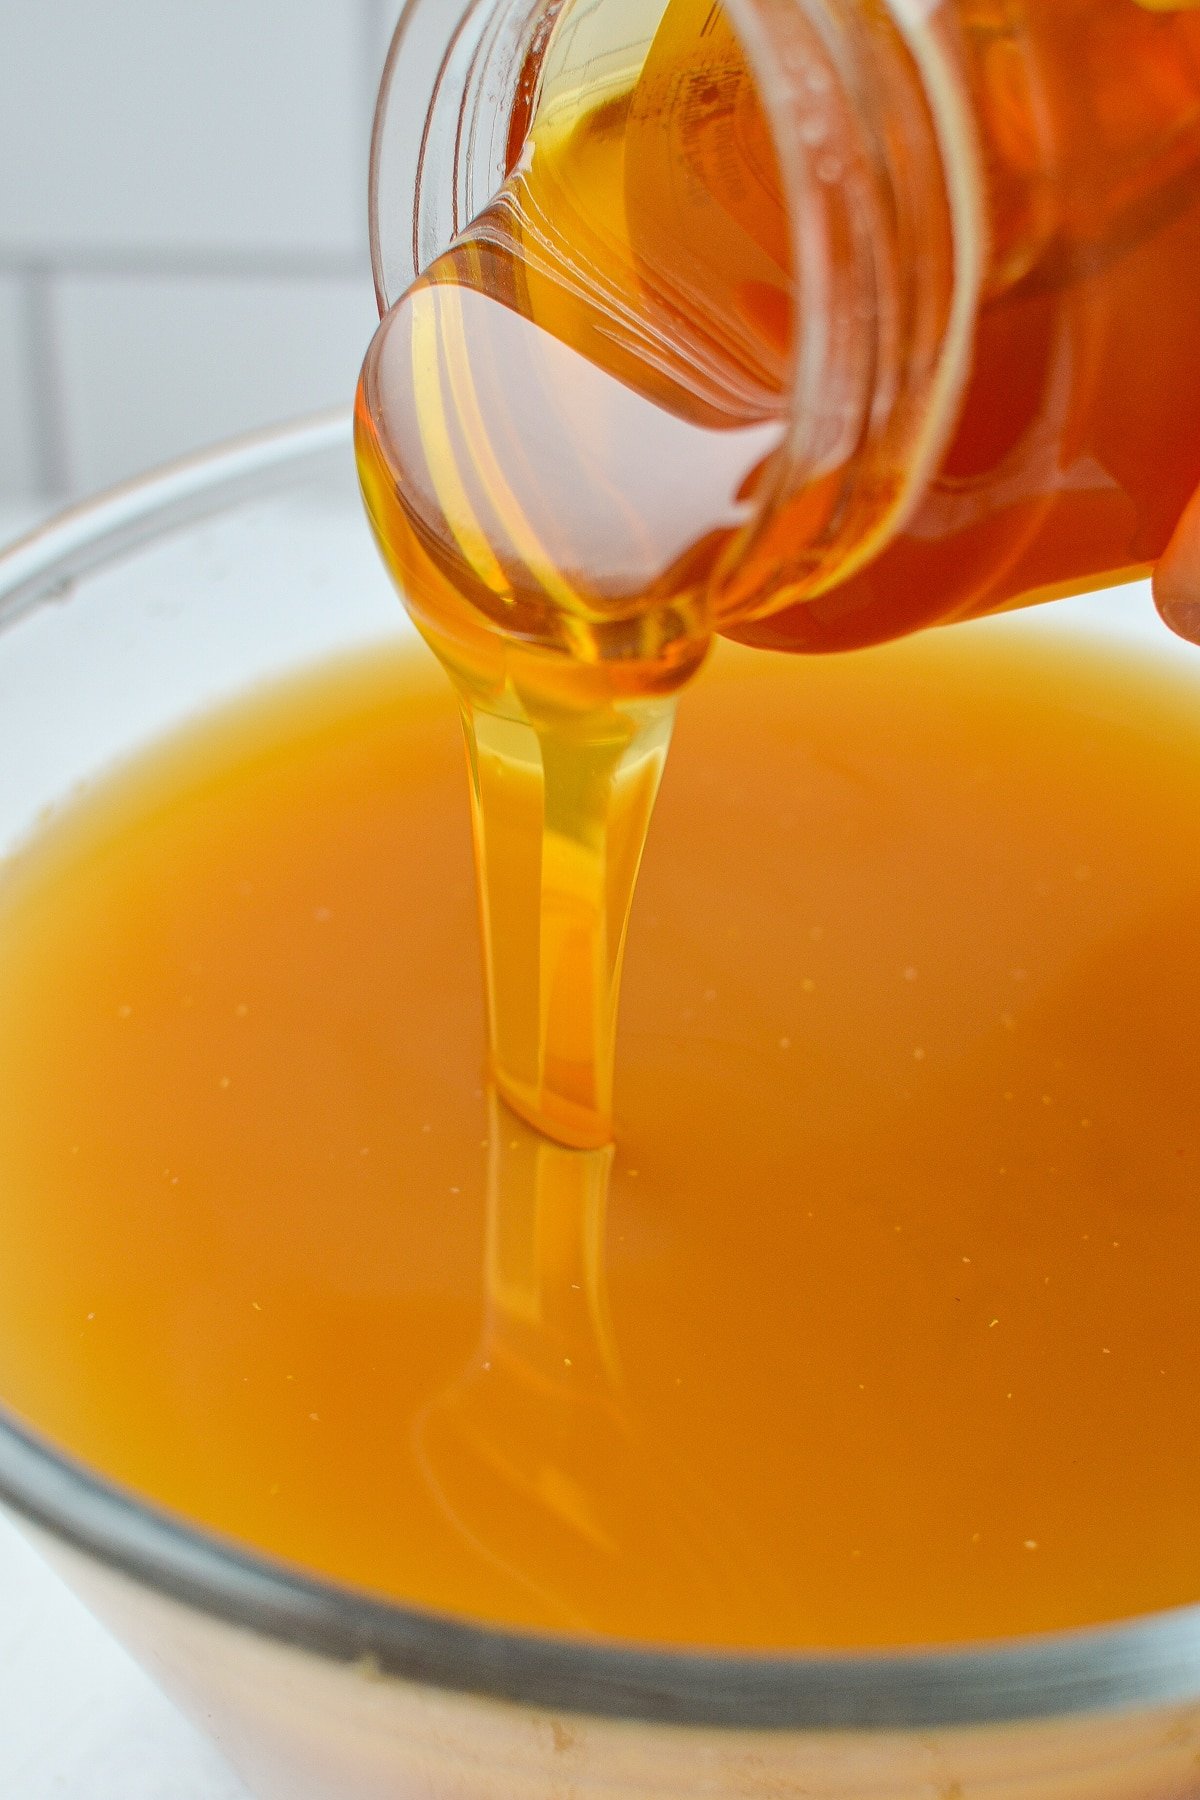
876	1328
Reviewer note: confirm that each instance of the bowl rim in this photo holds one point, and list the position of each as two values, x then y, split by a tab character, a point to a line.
1152	1661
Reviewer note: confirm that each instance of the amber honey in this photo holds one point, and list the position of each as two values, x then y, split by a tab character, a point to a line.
878	1325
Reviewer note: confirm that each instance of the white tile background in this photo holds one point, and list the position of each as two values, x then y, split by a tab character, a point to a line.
182	225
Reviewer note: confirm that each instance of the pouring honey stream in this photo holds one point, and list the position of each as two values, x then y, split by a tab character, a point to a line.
810	331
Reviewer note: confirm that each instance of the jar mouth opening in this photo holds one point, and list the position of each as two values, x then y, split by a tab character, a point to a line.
432	172
482	69
878	349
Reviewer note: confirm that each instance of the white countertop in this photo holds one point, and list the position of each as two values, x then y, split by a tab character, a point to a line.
78	1719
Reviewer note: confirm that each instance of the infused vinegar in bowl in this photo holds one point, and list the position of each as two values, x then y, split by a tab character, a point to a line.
834	1432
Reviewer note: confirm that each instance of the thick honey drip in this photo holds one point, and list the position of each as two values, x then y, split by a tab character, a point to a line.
560	810
573	432
877	1327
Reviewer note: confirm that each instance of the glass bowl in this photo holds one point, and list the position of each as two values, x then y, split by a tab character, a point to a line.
118	620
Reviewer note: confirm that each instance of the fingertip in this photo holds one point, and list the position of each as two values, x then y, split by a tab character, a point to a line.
1181	614
1176	581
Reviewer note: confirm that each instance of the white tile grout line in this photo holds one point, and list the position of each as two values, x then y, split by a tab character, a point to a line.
47	412
204	264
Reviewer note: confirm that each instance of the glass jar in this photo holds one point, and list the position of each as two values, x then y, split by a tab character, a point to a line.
981	237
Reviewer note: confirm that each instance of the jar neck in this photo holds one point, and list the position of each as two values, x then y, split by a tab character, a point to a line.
432	172
867	110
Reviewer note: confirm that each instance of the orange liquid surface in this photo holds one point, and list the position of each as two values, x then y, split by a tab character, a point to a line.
878	1327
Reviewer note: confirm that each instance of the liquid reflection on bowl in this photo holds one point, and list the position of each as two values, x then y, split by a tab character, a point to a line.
316	1692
